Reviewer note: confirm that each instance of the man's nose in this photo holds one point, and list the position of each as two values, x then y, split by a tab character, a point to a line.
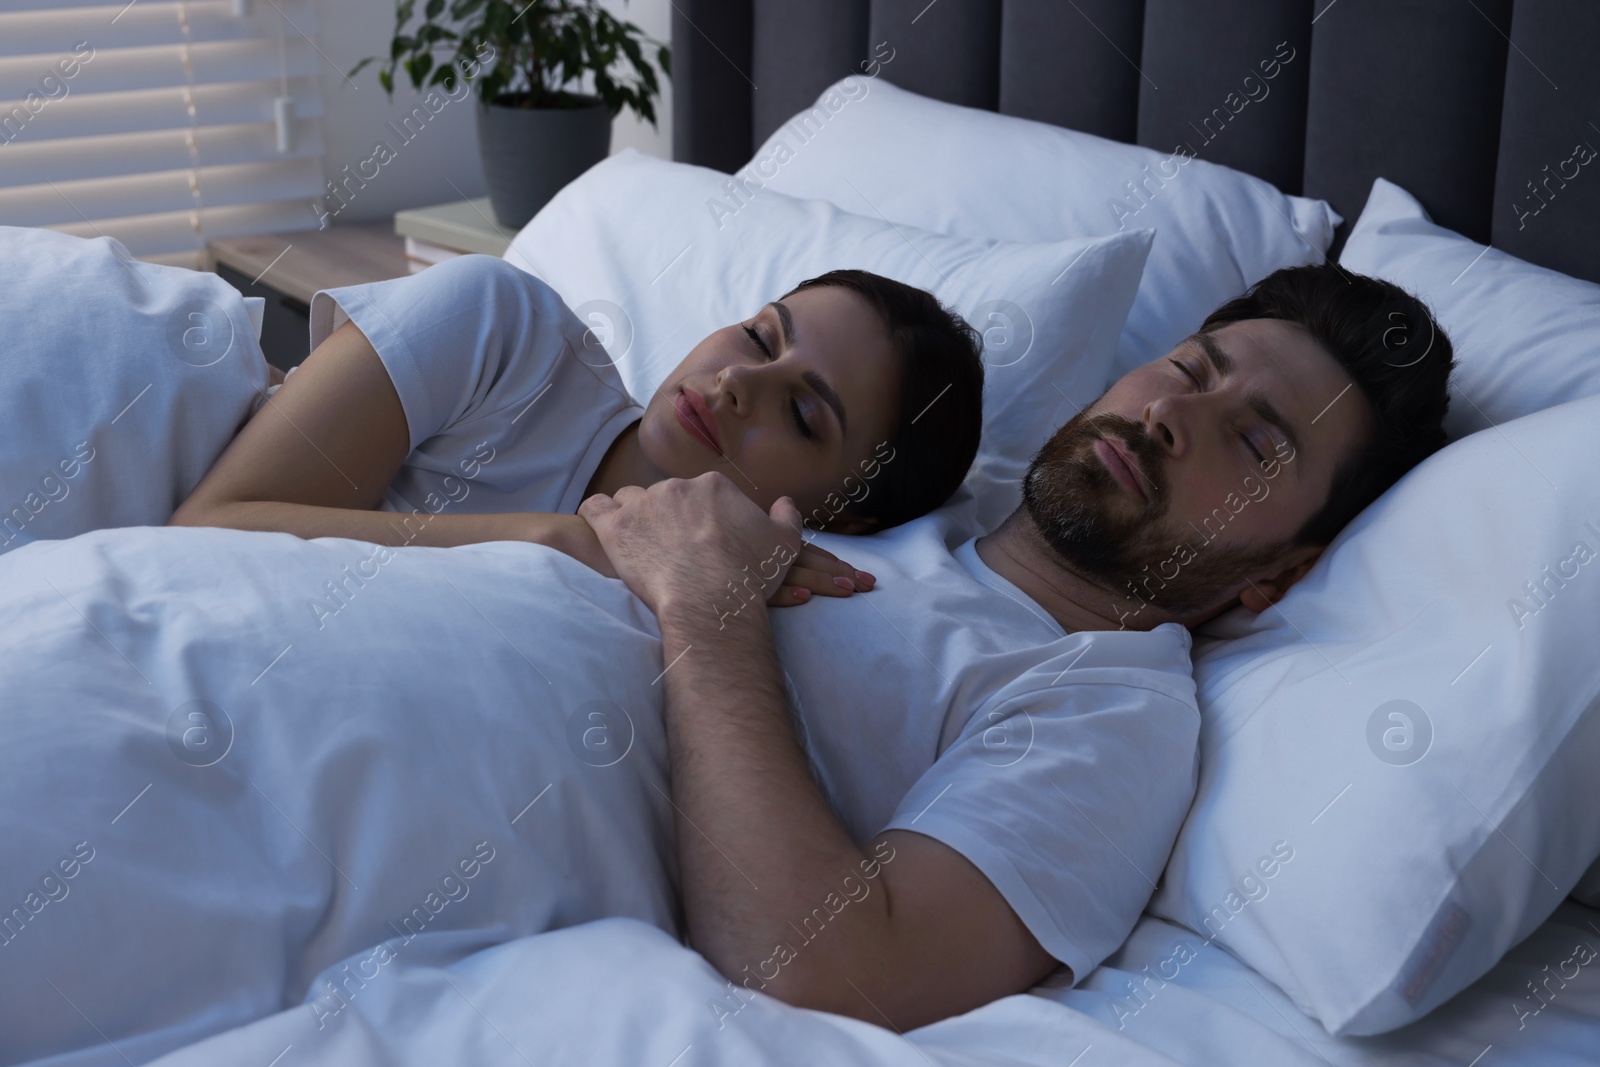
1166	423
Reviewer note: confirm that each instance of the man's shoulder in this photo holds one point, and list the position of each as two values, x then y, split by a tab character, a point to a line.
1156	660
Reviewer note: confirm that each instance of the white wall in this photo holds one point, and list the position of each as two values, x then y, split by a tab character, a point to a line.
655	18
441	163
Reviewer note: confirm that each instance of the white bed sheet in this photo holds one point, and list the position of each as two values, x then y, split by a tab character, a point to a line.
1215	1010
622	992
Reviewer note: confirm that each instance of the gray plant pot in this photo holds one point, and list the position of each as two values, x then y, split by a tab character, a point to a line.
530	153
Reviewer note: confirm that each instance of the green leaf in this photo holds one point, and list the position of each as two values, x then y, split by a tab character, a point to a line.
542	51
418	67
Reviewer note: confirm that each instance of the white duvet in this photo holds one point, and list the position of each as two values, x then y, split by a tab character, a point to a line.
217	778
346	854
618	993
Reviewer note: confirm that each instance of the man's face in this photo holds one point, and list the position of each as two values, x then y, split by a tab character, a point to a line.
1182	492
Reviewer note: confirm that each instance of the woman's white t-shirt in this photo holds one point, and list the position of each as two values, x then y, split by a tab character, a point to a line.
510	400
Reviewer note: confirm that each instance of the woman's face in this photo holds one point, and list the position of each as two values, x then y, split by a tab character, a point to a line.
789	403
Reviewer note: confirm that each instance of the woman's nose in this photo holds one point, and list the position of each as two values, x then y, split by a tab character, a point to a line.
735	385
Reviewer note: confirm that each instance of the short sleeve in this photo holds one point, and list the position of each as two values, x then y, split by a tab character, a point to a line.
502	385
1068	797
465	338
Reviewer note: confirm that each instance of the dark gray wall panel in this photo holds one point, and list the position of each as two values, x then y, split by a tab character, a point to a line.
800	50
712	92
1206	83
1073	64
1547	187
1412	90
1408	90
947	49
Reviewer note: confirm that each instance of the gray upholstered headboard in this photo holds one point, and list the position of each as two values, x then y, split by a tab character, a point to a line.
1474	106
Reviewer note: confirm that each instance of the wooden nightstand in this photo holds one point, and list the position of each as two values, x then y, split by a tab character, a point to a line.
289	268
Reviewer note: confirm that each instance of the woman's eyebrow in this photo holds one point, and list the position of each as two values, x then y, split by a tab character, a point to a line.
818	384
785	320
829	397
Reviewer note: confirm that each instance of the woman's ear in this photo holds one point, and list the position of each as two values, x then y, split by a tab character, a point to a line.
845	523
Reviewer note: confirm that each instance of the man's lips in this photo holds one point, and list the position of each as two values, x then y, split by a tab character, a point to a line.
696	417
1121	466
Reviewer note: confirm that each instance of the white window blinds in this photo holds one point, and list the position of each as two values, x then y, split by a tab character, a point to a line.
157	123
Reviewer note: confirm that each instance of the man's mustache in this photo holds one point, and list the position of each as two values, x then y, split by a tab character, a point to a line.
1143	449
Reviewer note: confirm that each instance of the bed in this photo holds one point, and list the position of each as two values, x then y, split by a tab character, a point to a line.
1431	128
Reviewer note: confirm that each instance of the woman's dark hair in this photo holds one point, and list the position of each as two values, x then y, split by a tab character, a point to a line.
939	412
1389	342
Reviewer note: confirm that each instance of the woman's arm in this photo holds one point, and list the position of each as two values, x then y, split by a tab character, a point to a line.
315	459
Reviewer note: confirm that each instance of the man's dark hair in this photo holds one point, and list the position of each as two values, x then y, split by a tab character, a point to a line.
939	411
1389	342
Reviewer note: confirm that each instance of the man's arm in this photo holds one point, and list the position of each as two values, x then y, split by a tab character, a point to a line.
776	895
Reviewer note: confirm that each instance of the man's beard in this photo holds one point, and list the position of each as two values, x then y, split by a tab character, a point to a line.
1120	544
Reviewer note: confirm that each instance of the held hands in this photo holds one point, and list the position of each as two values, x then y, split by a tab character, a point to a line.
701	544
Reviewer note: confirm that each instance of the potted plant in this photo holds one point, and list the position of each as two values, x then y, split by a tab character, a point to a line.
536	131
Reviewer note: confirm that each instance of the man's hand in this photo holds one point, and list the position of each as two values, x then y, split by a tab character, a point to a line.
934	937
566	533
682	543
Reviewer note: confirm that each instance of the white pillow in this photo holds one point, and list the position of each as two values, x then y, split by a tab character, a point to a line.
1525	337
637	249
879	150
1415	729
123	383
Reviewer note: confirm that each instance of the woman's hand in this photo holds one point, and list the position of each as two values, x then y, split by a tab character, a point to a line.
818	571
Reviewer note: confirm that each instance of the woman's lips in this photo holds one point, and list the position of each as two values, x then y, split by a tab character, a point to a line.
697	419
1120	466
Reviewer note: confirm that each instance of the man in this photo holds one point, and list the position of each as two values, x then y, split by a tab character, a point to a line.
1212	477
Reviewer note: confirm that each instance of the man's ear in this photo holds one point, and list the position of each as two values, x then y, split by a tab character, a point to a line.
1261	594
845	523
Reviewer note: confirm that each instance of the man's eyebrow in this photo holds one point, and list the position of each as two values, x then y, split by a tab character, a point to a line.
785	320
1220	360
1223	364
829	397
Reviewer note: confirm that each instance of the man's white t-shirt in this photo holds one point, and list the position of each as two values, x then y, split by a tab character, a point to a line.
948	703
510	402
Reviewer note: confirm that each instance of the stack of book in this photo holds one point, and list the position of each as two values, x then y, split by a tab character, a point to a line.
444	231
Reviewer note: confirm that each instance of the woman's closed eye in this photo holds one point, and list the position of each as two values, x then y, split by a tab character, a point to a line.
755	339
795	409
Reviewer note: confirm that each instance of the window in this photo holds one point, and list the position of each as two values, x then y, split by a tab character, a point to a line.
164	125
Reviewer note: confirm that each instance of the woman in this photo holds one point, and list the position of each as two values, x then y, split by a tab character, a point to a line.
472	398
